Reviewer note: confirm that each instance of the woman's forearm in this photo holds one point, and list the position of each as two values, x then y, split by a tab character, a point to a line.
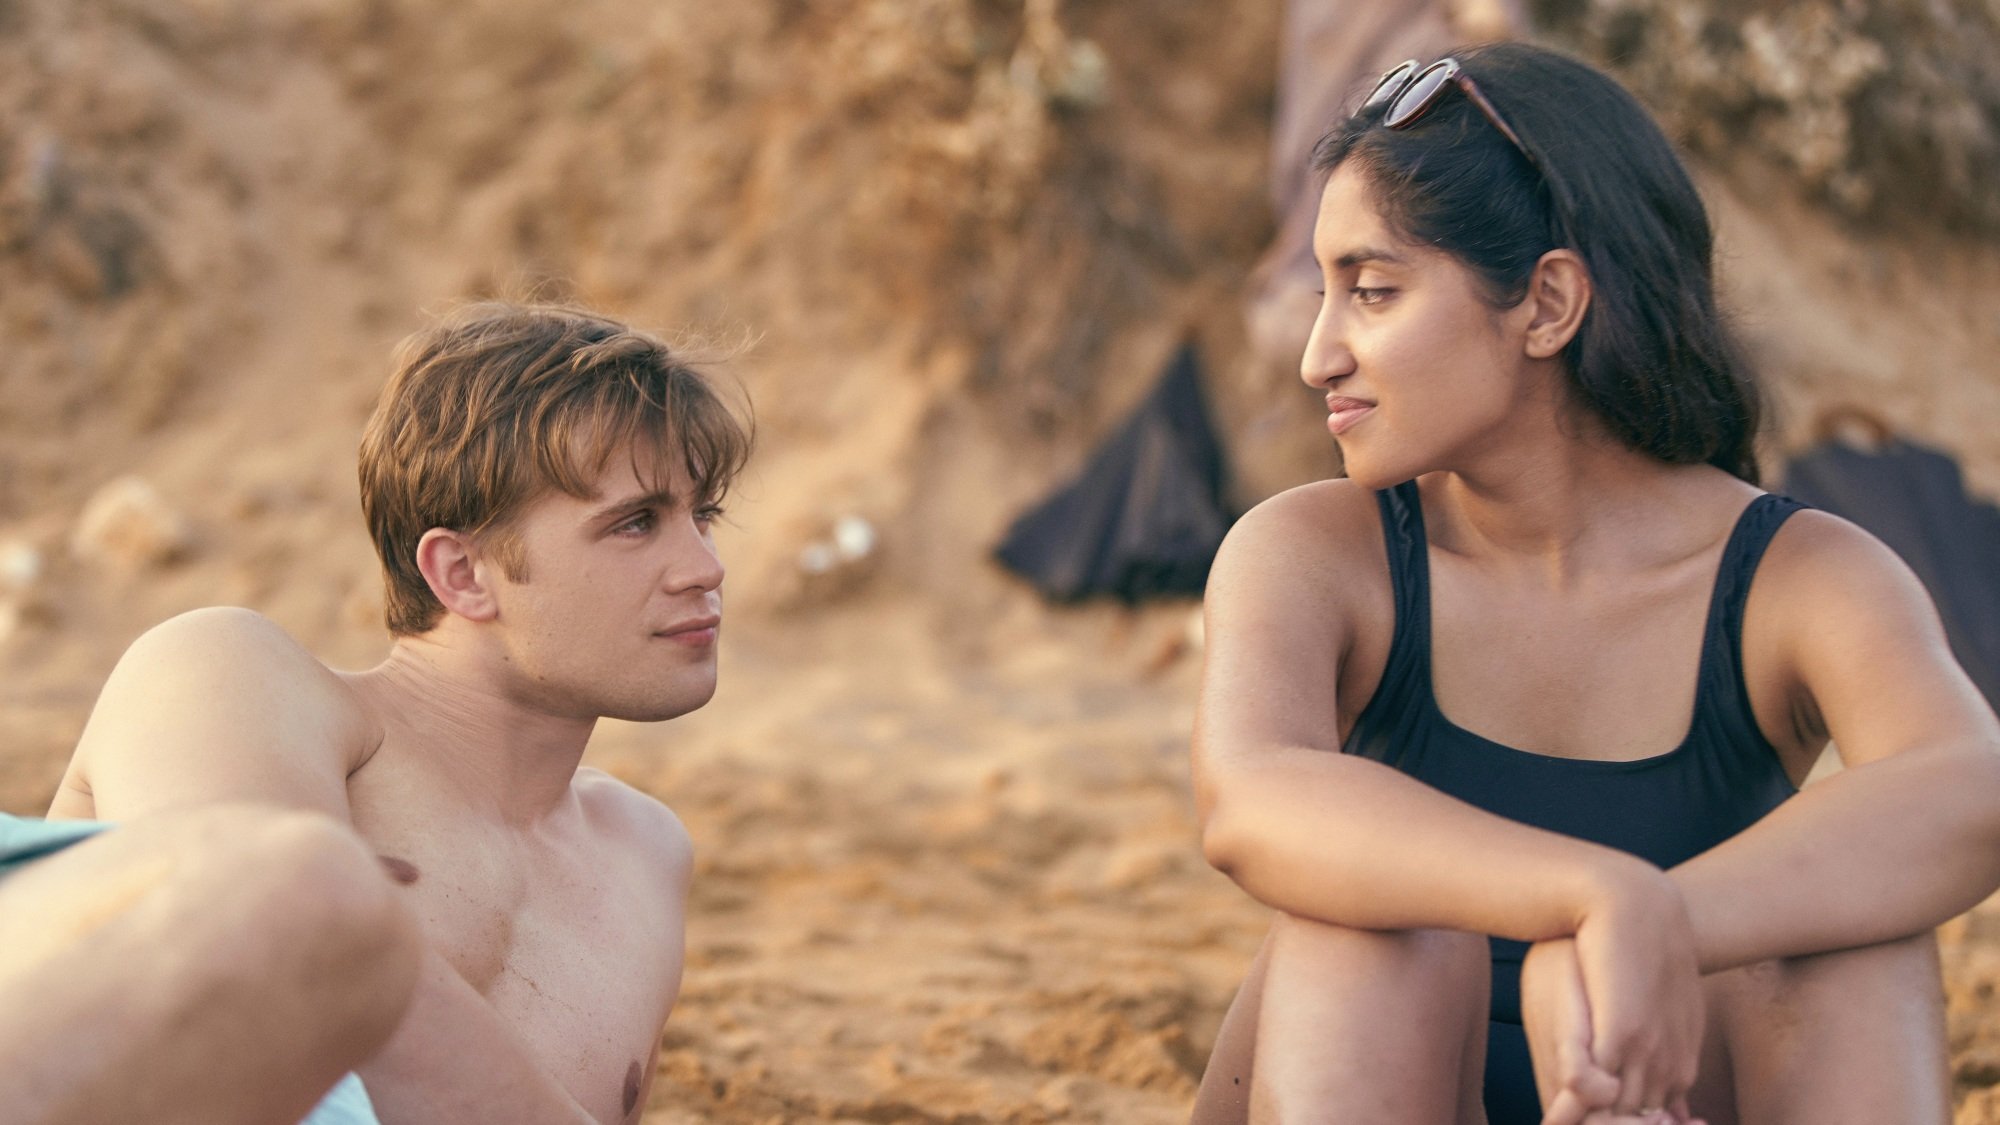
1874	853
1352	842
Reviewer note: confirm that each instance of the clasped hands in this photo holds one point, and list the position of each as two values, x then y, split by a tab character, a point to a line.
1614	1013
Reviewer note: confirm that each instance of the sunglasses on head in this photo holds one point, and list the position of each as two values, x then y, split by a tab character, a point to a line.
1411	92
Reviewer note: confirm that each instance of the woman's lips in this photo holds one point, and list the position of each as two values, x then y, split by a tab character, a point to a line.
1343	413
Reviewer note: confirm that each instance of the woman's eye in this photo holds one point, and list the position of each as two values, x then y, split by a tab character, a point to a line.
1370	295
708	514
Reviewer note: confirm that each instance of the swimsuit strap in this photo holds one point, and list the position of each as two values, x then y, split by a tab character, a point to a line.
1406	674
1722	695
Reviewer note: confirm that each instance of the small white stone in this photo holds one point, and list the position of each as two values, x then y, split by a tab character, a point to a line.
818	558
854	538
128	524
20	566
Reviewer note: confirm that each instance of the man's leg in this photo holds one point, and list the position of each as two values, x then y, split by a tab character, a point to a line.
217	965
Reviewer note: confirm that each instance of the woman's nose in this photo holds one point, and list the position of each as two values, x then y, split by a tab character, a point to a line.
1327	357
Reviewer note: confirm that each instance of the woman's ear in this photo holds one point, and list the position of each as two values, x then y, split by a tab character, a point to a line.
450	565
1559	294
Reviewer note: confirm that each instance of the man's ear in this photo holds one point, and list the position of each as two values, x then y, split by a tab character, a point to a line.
1559	293
451	566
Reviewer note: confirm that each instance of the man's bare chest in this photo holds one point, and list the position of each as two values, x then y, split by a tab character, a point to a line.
564	940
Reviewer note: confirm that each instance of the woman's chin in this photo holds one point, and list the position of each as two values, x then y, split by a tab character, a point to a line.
1372	473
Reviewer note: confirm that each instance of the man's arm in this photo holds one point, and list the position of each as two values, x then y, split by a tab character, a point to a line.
1909	833
220	705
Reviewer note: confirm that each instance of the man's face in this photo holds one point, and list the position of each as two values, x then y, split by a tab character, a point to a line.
621	607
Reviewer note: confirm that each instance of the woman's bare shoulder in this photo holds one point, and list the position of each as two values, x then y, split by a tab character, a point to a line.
1309	559
1326	522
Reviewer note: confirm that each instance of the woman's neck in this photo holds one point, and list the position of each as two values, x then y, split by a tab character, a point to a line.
1573	505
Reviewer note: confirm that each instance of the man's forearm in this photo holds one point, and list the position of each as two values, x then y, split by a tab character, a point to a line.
454	1061
1872	854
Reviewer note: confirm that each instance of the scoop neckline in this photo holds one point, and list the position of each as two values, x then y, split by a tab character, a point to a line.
1711	624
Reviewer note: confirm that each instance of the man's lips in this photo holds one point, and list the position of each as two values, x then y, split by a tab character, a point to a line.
1343	411
694	631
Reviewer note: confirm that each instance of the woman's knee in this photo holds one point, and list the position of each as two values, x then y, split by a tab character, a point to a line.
1814	985
1442	962
1362	1025
1854	1034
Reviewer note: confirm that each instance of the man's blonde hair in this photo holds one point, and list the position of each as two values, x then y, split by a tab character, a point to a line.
496	403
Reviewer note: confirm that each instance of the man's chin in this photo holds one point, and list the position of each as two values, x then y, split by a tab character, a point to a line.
665	705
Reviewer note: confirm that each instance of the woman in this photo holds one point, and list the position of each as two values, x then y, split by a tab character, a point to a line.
1550	534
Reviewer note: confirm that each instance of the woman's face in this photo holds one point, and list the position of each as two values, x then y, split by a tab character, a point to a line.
1419	371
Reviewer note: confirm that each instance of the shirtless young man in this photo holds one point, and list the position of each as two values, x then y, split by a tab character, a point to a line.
540	484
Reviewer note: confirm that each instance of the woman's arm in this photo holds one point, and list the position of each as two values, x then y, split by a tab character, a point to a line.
1339	839
1316	833
1908	835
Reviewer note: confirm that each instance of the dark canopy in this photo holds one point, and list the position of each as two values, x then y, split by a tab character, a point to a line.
1913	498
1145	516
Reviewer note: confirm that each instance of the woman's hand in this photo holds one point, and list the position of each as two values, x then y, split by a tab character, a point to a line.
1635	954
1575	1090
1556	1016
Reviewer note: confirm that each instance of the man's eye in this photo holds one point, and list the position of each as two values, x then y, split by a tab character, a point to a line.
708	514
637	525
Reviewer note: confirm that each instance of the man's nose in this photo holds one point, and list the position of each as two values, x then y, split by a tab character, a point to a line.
695	564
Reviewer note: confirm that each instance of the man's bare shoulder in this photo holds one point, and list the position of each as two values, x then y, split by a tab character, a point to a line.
632	819
238	653
219	704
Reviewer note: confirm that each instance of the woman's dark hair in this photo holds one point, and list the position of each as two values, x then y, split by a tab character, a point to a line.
1653	357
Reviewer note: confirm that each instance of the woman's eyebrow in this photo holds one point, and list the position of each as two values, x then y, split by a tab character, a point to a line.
1366	254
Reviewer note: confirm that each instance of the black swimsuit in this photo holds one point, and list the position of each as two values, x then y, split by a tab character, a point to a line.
1665	809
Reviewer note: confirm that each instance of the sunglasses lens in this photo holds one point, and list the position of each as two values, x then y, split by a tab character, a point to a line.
1390	83
1412	102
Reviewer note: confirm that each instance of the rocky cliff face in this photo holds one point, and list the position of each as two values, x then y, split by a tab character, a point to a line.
1888	110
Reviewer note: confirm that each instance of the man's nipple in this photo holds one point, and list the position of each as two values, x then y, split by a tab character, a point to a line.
401	870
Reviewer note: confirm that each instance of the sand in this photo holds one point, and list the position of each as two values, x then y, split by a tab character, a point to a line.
948	867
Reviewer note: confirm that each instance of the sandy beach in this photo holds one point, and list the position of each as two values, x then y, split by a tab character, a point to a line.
948	868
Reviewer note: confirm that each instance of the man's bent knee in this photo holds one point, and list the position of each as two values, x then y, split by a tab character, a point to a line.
295	912
326	899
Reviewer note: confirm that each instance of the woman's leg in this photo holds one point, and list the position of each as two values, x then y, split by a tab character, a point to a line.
214	966
1343	1025
1224	1097
1854	1036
